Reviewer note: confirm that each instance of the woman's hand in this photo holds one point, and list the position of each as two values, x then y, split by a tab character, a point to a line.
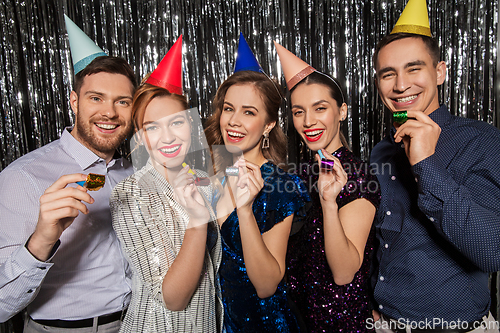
330	182
187	195
249	184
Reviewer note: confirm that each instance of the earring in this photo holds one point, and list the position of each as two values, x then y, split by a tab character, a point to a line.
265	141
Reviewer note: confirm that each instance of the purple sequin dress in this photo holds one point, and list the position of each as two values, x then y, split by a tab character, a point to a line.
323	305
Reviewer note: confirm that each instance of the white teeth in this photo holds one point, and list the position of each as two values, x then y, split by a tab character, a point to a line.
107	126
170	150
235	134
406	99
313	133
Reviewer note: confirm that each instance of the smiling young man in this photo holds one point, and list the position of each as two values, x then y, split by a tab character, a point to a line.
439	218
59	255
102	104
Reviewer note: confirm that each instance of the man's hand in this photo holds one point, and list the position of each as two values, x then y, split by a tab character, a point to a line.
59	206
419	135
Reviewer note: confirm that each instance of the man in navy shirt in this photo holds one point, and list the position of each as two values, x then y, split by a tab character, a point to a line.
438	225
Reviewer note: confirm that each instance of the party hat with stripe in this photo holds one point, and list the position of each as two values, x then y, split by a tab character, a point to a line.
414	19
83	49
294	68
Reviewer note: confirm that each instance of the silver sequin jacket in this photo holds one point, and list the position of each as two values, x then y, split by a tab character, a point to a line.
150	225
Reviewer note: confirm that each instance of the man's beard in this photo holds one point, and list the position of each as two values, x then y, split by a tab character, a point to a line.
98	144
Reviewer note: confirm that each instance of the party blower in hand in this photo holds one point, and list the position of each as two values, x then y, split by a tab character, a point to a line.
325	163
93	182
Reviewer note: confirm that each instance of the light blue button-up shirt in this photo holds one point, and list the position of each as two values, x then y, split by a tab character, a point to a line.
87	275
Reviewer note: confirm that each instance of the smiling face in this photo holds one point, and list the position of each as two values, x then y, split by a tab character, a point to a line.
316	116
244	120
103	112
406	77
166	131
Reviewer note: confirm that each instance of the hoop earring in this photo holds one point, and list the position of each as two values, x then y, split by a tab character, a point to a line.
265	141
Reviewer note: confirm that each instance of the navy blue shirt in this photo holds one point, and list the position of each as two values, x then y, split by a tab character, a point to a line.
438	225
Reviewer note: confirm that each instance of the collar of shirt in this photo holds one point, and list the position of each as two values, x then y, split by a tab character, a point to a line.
81	154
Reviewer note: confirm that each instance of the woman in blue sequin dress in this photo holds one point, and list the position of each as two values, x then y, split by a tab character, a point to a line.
328	260
255	233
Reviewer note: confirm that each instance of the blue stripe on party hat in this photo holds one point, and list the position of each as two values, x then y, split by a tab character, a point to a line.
83	49
245	59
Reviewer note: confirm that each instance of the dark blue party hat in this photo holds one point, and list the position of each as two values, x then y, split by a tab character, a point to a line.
245	59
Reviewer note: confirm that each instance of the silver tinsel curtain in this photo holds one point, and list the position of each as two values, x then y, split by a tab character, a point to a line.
334	36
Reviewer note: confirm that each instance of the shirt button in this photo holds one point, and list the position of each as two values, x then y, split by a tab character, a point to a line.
393	178
382	278
386	246
431	219
416	180
402	145
388	212
380	306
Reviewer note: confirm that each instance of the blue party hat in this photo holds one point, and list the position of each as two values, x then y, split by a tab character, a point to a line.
245	59
83	49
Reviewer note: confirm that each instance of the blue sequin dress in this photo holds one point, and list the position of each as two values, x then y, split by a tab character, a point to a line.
324	305
283	194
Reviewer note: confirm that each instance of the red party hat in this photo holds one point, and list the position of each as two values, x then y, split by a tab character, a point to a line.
168	73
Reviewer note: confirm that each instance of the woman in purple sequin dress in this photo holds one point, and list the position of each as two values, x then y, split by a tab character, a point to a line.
328	260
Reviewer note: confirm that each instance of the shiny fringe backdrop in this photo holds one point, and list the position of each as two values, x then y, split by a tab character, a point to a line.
334	36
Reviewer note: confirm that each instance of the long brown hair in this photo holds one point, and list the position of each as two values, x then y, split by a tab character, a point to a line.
270	93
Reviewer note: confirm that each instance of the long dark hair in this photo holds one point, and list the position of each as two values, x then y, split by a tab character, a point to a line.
335	89
269	91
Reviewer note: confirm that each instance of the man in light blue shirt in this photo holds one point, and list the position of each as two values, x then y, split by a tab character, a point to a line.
59	255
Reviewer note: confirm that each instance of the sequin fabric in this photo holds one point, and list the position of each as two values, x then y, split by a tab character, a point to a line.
323	305
283	194
150	225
